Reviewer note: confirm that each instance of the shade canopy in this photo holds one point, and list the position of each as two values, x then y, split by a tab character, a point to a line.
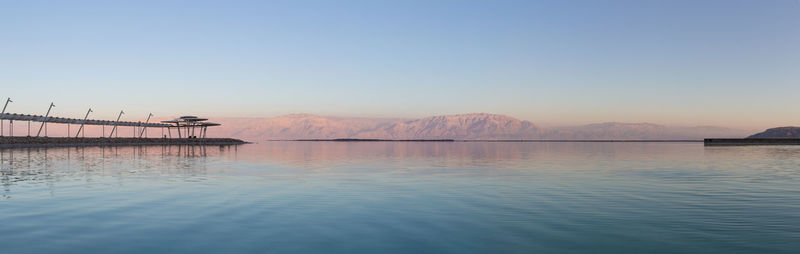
190	121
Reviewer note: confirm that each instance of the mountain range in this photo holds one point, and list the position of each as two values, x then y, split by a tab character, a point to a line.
476	126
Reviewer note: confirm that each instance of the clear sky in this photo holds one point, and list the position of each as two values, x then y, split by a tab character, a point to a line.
730	63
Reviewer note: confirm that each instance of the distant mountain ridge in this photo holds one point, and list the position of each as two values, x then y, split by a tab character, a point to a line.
779	132
475	126
464	126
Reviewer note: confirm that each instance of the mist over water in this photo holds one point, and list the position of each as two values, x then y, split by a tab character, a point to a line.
402	197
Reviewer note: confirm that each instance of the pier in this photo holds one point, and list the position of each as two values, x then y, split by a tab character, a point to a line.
187	129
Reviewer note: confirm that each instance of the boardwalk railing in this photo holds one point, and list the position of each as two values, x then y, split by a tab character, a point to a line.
51	119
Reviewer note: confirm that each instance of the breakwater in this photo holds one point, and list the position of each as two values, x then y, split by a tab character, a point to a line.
67	141
750	141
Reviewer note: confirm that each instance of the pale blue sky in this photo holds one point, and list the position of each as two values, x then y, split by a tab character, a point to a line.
731	63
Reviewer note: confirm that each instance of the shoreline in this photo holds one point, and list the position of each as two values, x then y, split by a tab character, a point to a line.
15	142
488	140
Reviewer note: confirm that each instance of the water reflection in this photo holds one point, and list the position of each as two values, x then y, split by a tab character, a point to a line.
50	165
459	154
402	197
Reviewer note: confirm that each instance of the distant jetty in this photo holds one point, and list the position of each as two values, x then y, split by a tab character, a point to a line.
750	141
788	135
8	142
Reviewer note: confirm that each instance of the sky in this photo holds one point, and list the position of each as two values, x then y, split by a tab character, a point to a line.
726	63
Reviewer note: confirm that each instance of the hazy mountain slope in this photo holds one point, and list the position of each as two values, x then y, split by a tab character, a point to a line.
463	126
608	131
780	132
700	132
295	126
640	131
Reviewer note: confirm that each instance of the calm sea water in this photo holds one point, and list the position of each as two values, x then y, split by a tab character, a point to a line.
387	197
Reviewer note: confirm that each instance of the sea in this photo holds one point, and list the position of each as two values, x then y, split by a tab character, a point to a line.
402	197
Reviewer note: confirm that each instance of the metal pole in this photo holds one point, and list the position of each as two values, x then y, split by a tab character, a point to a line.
11	127
145	122
4	107
3	112
44	120
29	128
115	124
84	121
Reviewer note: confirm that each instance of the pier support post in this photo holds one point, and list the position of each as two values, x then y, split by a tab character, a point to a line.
115	125
84	122
145	124
44	120
3	112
